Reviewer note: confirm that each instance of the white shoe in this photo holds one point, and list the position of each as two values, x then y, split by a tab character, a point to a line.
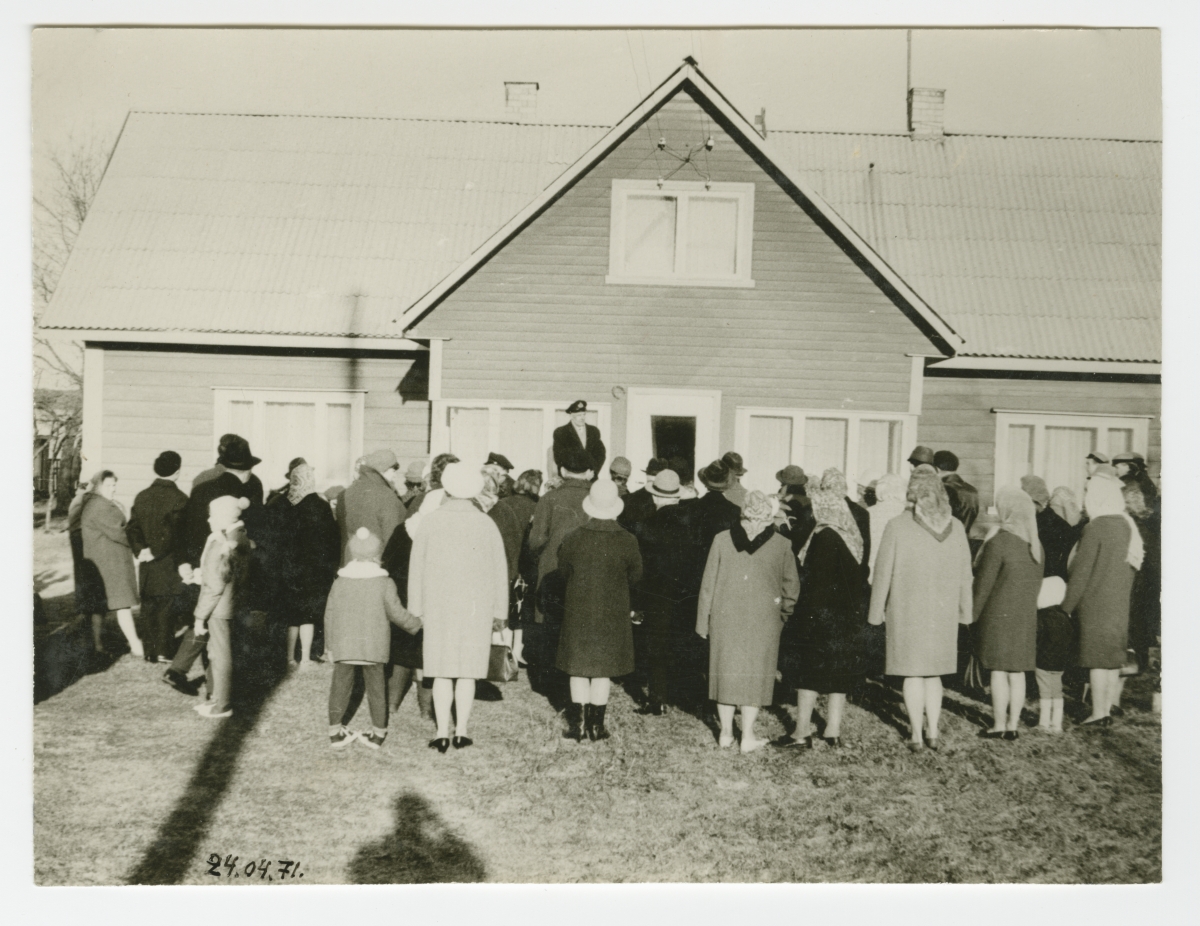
202	706
207	711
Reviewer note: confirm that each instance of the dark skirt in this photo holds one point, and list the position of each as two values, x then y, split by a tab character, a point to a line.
406	649
89	585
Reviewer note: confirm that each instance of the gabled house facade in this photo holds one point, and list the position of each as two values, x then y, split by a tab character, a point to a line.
326	287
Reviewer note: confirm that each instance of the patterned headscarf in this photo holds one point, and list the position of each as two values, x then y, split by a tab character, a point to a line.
832	480
1064	504
830	510
1035	488
302	482
1019	516
1103	497
931	505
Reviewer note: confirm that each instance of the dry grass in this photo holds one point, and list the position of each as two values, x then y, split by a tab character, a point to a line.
131	785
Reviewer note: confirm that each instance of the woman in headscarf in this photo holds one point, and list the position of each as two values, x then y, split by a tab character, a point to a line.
749	589
833	480
922	589
313	554
823	645
1007	583
1099	584
1058	524
106	548
889	502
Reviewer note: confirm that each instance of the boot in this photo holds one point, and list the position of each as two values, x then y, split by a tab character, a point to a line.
595	726
574	714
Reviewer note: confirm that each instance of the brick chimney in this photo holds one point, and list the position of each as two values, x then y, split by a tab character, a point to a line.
520	100
925	112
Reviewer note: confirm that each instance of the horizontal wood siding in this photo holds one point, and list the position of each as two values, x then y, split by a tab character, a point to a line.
163	400
539	321
957	415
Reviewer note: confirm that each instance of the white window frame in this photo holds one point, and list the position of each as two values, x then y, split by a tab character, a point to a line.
321	399
1039	421
799	416
439	432
683	191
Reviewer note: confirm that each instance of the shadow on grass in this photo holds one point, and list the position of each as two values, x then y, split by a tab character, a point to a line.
419	850
174	848
62	647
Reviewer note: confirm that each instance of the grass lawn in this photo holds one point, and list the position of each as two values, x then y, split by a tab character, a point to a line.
131	785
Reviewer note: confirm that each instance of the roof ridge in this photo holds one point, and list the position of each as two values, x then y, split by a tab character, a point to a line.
553	125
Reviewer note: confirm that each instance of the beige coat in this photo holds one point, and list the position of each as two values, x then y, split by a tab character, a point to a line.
458	585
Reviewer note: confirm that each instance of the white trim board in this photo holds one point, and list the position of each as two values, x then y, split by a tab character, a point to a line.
1033	365
233	339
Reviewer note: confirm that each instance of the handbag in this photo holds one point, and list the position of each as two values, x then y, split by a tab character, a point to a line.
502	667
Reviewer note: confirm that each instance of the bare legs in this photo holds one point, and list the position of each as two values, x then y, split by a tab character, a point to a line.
518	645
806	701
833	723
1008	698
458	694
305	634
749	714
125	620
1104	684
923	698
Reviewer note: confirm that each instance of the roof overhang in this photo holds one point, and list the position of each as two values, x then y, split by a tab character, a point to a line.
234	339
1035	365
689	77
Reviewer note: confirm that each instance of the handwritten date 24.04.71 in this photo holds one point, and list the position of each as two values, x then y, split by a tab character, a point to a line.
264	869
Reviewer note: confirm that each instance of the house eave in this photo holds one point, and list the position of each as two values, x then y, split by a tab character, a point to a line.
1038	365
234	339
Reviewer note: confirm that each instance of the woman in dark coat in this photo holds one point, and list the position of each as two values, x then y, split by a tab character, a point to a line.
749	590
102	526
1098	589
513	515
89	587
598	563
1006	588
312	556
1145	606
824	644
1058	523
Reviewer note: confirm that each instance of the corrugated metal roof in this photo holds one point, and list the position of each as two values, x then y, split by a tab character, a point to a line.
1028	247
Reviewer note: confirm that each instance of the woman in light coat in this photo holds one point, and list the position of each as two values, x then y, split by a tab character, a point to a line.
922	588
102	526
458	587
749	590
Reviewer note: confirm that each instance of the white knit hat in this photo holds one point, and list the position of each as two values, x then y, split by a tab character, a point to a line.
462	481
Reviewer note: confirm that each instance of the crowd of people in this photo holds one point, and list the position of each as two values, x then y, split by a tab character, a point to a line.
690	598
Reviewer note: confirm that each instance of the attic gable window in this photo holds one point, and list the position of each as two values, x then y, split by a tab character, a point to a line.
682	234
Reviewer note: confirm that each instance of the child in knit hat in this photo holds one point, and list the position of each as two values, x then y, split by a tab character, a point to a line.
222	571
360	606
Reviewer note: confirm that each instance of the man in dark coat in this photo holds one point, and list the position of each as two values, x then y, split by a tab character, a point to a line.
236	462
964	497
371	502
153	533
579	435
254	487
639	505
796	506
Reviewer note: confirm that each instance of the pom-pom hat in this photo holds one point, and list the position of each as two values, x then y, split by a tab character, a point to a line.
364	545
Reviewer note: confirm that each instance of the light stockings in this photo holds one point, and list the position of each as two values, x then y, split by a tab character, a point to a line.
125	620
923	698
1008	698
458	694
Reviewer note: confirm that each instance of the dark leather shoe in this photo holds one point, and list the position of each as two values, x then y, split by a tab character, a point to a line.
834	742
790	742
653	709
462	742
1010	736
1116	712
1100	723
179	682
991	734
441	745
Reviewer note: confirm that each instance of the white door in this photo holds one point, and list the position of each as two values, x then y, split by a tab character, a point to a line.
671	422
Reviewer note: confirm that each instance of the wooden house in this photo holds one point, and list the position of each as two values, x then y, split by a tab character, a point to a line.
328	286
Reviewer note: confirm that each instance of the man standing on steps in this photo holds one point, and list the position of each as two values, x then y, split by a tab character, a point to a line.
577	434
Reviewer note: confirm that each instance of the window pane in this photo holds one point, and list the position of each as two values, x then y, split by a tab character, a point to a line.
1120	440
469	434
291	432
521	439
650	235
1020	455
241	420
824	445
337	447
878	450
712	237
1065	451
769	451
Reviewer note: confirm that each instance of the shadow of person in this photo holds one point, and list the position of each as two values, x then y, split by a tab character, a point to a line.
419	850
879	697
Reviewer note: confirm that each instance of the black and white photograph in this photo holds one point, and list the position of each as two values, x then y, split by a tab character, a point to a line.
554	456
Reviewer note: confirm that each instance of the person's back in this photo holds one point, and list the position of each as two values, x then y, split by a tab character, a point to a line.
370	502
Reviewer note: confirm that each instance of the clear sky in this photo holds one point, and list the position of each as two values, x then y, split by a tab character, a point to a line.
1073	82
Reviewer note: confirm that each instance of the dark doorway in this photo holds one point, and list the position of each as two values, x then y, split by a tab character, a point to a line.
675	436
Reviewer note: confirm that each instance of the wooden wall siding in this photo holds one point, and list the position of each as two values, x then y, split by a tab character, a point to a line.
539	322
160	400
957	415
